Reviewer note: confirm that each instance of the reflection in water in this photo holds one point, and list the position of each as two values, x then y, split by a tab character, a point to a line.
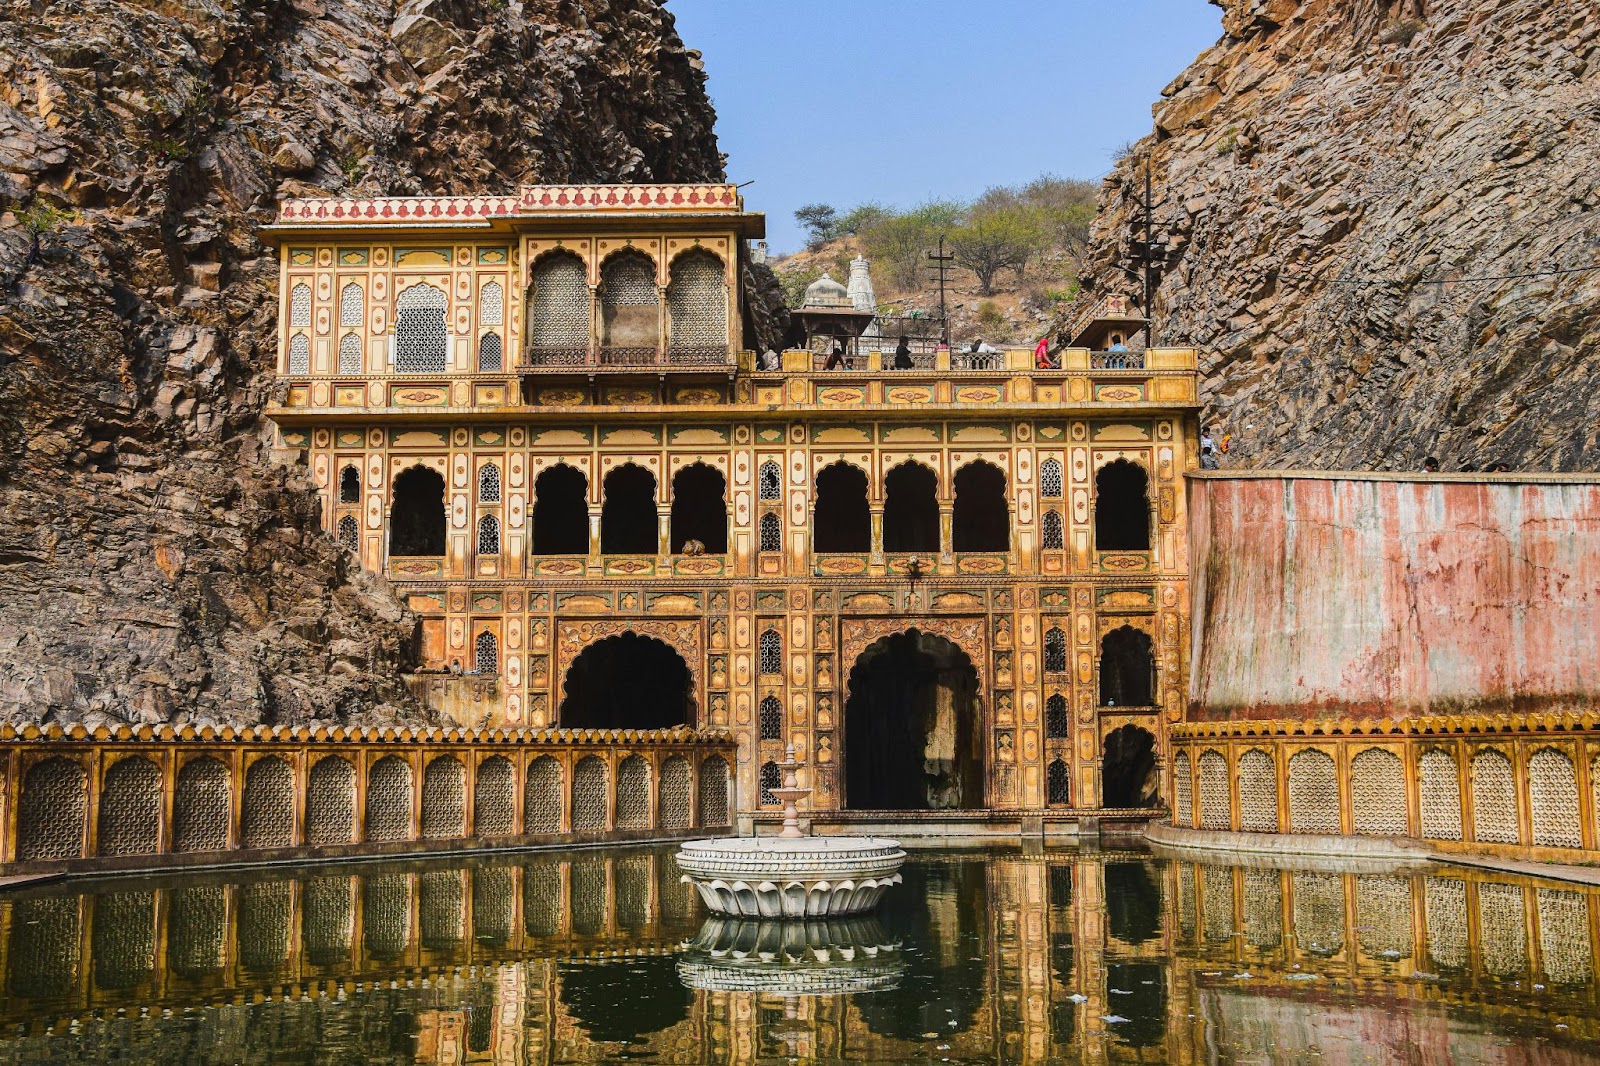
977	958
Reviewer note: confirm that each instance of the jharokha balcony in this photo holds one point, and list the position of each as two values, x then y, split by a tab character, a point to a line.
600	358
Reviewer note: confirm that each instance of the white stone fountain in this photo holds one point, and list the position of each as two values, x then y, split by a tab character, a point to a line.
792	875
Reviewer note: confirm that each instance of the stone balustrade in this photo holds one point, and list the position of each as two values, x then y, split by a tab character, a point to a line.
104	799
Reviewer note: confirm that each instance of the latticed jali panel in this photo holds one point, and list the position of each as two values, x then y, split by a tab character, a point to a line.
542	896
1502	929
1318	912
630	878
123	945
633	793
444	798
201	808
442	908
389	800
1378	793
350	354
1051	538
1186	904
1216	899
196	929
771	718
771	652
1050	479
349	533
494	900
1258	792
486	654
1445	900
590	793
130	808
714	792
1313	793
560	303
1057	723
1383	916
771	533
770	482
1263	908
489	483
328	923
491	353
421	344
1182	791
492	305
1055	651
488	535
350	298
263	925
628	279
266	815
1553	795
542	800
1494	798
1564	936
1214	806
331	802
1058	784
589	904
45	942
1440	788
300	305
494	797
771	778
299	354
697	300
386	915
673	805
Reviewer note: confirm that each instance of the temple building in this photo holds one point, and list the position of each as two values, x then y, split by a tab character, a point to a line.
959	592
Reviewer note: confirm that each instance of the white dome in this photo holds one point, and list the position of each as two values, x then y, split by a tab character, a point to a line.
825	292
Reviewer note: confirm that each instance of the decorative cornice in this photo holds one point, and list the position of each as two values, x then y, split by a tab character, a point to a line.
268	734
1426	726
531	201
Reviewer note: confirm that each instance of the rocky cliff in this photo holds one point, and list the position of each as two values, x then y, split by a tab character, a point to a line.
155	563
1329	179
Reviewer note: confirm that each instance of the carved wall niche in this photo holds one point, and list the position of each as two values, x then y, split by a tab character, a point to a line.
968	634
681	635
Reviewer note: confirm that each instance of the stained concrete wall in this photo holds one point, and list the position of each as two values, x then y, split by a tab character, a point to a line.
1330	594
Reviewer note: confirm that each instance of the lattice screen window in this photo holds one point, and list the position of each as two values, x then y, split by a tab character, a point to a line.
349	533
560	303
1182	791
300	305
1216	899
441	908
389	800
1383	916
196	929
329	920
1055	651
588	896
1057	723
123	942
1318	912
299	354
350	485
202	807
1440	789
542	801
421	340
491	353
1263	909
697	299
628	279
1050	479
771	778
1051	539
1564	936
331	802
486	655
541	899
488	535
494	899
590	794
633	793
350	298
1445	899
492	305
1258	792
1058	784
386	915
714	805
770	483
130	808
1378	793
1553	800
771	533
771	652
771	718
1215	810
673	805
1494	798
489	483
350	354
494	797
266	815
1502	920
263	929
444	798
1313	793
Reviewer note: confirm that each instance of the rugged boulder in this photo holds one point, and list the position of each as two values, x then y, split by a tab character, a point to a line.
156	562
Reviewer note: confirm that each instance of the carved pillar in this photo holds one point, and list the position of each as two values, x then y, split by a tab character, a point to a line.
877	535
947	514
594	536
664	531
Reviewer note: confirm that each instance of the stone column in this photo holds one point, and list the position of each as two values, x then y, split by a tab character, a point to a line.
947	514
877	535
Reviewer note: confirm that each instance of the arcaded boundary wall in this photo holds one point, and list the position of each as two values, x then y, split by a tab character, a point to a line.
1333	595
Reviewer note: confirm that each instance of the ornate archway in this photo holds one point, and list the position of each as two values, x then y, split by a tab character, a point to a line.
629	679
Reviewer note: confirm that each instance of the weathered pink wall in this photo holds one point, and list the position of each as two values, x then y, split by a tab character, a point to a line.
1373	595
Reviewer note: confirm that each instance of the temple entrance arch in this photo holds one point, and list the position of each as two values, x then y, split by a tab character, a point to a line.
1128	768
627	681
913	737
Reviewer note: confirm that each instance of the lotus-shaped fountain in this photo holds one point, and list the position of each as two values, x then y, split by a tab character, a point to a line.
792	958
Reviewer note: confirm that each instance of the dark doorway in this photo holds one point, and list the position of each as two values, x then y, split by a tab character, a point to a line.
1127	669
416	521
911	509
627	682
982	519
1122	508
1128	769
843	522
349	485
1133	902
700	509
628	522
560	512
912	727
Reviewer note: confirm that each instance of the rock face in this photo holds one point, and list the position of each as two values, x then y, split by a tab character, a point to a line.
156	562
1321	168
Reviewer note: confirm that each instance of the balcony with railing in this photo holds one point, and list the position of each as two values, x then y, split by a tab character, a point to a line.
631	358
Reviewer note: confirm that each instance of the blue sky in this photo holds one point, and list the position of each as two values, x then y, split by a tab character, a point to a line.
900	101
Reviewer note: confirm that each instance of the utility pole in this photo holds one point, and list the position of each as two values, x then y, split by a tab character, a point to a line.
942	265
1149	254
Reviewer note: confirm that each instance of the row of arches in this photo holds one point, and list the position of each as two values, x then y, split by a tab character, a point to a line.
53	807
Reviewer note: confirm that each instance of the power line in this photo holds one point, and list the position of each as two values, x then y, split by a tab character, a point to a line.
1468	281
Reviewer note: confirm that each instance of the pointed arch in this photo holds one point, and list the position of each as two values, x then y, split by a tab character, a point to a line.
1057	723
417	517
630	326
697	306
1127	668
771	533
699	509
770	718
389	800
492	304
350	304
714	805
1058	783
1122	507
489	535
770	649
350	354
444	798
421	335
130	808
1050	479
628	521
771	778
266	811
349	533
843	518
486	655
911	509
770	481
1051	536
489	483
560	512
202	806
300	305
299	354
491	353
559	312
350	484
1055	650
981	521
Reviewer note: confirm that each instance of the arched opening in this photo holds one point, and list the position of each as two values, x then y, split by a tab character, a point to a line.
494	797
1122	507
697	305
416	521
350	302
843	521
350	354
421	338
489	483
672	803
769	653
331	801
491	353
349	533
630	324
1050	536
350	485
560	512
1058	783
389	800
771	533
486	655
130	808
1128	769
558	332
627	682
633	793
700	508
770	481
771	778
628	524
541	799
1127	669
1057	723
714	805
982	518
299	354
912	727
489	535
491	304
1050	479
771	718
911	509
1055	650
202	807
444	798
266	811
